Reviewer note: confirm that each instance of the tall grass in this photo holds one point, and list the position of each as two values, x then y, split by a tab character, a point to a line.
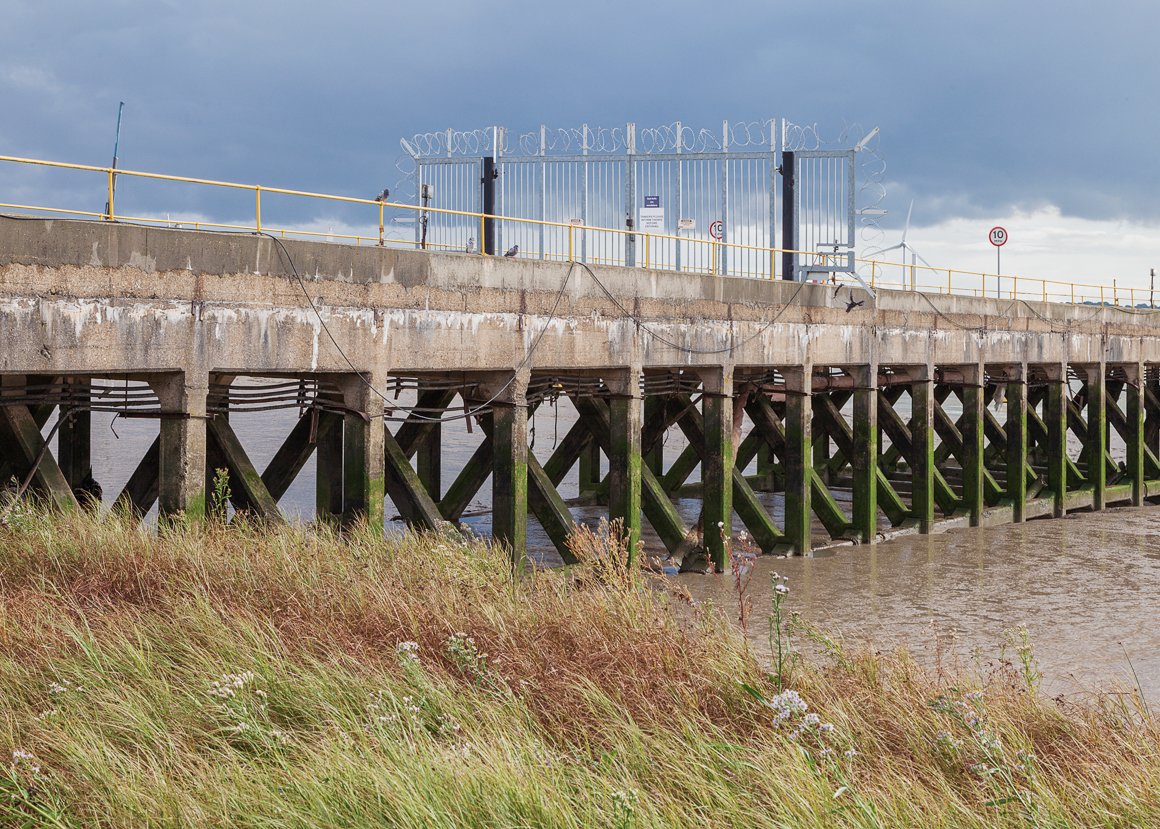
245	676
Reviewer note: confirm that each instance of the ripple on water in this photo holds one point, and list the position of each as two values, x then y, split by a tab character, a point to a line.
1084	587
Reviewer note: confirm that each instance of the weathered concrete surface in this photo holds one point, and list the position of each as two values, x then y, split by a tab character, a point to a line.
107	298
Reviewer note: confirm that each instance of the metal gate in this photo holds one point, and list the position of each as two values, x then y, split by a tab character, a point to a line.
819	213
669	197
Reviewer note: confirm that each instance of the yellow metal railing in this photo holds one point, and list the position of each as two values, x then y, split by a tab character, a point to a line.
708	252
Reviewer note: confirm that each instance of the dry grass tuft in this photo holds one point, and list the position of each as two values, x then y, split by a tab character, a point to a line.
245	675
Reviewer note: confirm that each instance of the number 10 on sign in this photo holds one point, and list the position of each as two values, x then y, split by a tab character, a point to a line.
998	238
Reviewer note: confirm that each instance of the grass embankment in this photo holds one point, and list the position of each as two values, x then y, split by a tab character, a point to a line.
244	677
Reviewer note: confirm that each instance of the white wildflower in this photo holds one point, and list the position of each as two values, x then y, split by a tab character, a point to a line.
407	651
229	684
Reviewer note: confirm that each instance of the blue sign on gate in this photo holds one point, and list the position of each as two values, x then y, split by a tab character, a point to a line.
652	201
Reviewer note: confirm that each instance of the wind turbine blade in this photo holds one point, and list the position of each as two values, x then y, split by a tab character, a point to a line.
871	253
918	256
906	229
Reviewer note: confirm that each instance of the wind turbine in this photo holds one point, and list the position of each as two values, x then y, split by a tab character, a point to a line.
905	247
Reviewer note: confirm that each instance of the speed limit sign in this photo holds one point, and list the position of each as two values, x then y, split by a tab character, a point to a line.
998	236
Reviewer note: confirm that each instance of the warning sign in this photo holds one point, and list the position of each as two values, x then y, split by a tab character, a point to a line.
652	215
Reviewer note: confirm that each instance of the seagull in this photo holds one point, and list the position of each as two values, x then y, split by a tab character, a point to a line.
513	251
471	245
383	196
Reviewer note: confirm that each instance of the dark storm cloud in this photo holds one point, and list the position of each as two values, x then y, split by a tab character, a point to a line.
983	106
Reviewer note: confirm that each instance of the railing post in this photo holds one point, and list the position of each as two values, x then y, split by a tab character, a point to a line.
380	224
258	209
571	239
112	188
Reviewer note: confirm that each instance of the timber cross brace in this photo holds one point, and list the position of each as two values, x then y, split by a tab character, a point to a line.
794	456
692	408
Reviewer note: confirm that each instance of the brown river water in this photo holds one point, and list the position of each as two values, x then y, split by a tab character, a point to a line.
1086	587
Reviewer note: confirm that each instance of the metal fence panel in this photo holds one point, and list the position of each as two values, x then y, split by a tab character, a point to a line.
718	192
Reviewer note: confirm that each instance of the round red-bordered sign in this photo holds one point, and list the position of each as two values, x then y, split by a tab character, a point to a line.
717	229
998	236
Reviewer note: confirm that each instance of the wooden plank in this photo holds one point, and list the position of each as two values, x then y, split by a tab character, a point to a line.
248	488
22	443
294	453
655	503
406	490
469	481
761	526
140	492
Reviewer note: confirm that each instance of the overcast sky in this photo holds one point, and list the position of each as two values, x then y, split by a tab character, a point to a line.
1039	115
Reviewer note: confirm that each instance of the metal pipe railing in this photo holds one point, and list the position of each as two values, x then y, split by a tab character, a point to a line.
912	276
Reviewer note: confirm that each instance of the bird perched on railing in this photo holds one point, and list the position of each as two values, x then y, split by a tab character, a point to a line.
383	196
514	250
470	245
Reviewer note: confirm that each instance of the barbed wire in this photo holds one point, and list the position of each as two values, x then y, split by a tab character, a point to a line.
665	138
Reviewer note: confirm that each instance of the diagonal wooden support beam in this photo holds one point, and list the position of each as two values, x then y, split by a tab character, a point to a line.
682	468
765	532
567	452
294	452
21	441
822	503
140	492
887	498
469	481
414	431
406	490
900	436
655	503
248	490
1038	429
1078	425
550	509
952	440
1120	422
546	503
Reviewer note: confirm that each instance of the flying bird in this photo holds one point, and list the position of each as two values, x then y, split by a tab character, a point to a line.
514	250
383	196
852	304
